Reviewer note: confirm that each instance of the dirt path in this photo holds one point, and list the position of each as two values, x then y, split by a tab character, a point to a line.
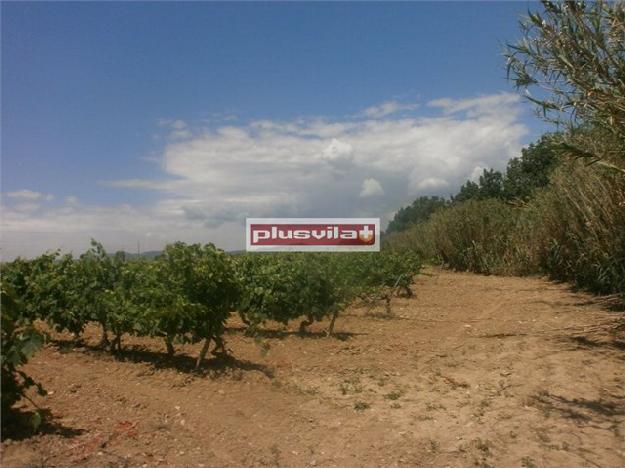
472	371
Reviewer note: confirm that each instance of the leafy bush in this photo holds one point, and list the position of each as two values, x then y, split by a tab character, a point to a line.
188	293
378	274
20	340
94	273
417	212
473	235
574	230
489	185
572	54
167	313
523	174
124	309
284	287
204	277
531	170
46	290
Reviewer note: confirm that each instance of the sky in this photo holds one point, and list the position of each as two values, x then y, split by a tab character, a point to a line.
155	122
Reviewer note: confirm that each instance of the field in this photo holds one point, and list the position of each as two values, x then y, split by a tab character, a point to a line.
470	371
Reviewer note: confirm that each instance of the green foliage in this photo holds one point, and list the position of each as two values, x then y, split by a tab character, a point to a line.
284	287
311	287
415	240
468	191
205	279
167	313
564	220
573	53
185	295
532	169
188	293
123	306
375	272
94	277
419	211
490	186
523	175
381	275
52	293
20	340
473	235
574	229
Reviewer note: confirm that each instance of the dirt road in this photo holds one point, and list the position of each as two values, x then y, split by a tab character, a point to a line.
471	371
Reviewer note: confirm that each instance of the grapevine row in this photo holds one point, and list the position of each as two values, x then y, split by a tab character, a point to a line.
188	293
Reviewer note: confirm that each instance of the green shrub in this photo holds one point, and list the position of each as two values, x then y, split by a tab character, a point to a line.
473	235
285	287
574	229
419	211
205	280
313	286
20	340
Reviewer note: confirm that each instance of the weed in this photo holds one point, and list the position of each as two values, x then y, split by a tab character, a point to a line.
361	405
435	446
394	395
528	462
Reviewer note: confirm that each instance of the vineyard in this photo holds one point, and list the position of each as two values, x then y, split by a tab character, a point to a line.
487	331
184	296
469	371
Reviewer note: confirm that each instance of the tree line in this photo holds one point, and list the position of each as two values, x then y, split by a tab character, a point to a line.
558	208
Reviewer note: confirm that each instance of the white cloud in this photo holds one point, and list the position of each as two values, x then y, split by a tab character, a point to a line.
370	188
337	150
178	129
213	178
476	173
26	207
30	195
430	183
388	108
178	125
70	228
490	104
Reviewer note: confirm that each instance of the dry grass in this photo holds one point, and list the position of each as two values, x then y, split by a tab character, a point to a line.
573	230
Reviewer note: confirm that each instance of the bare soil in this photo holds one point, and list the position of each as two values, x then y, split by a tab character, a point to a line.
471	371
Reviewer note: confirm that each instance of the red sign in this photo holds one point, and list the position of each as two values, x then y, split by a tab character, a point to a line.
312	234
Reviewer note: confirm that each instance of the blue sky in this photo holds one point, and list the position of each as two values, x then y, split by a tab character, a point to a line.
160	121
